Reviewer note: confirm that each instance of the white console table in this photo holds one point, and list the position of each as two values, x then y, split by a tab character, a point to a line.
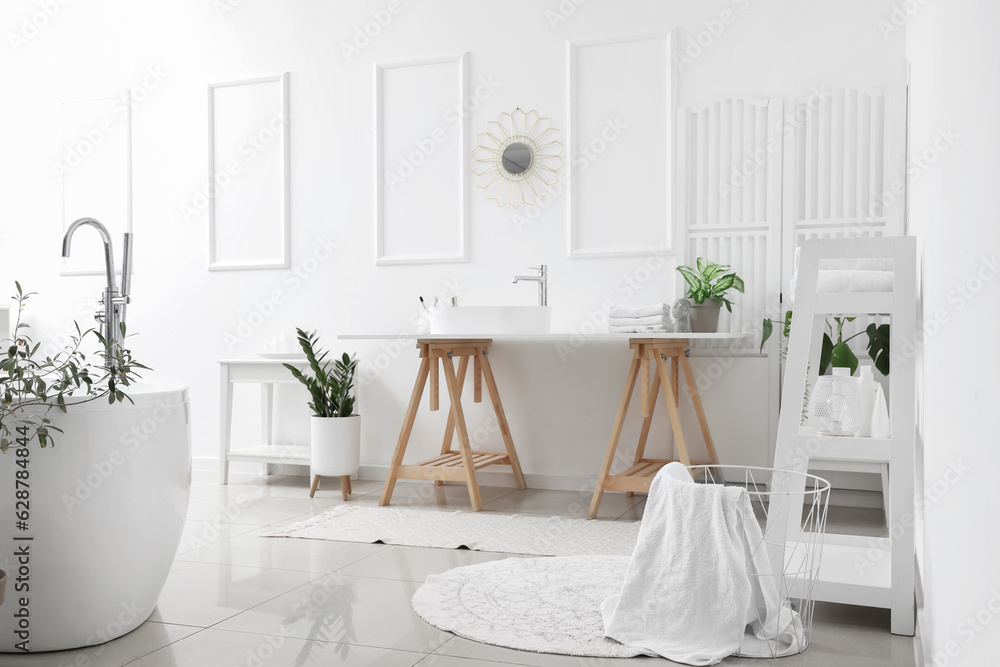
266	373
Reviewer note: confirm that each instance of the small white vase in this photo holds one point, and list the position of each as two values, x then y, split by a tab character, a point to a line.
335	447
835	404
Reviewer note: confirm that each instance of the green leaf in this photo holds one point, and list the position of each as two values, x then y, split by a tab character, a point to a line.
768	327
738	284
693	280
703	265
724	283
843	357
878	346
825	354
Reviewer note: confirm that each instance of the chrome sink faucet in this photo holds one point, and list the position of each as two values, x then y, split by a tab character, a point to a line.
114	302
543	282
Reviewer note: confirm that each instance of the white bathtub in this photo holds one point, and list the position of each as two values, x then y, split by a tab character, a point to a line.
105	514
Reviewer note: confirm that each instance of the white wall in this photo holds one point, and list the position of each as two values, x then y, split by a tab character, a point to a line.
560	412
954	211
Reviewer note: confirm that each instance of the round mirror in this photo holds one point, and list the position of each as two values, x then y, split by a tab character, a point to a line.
516	158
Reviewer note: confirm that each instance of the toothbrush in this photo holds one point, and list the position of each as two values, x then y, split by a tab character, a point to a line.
424	305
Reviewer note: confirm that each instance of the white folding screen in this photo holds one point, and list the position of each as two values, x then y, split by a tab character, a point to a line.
844	167
844	173
729	200
755	180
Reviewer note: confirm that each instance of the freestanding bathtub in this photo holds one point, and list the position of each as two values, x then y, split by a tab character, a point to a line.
89	531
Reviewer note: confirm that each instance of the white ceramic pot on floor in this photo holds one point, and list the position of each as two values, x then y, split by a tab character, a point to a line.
335	450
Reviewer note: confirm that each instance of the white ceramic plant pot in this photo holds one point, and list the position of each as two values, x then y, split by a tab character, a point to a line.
335	447
705	316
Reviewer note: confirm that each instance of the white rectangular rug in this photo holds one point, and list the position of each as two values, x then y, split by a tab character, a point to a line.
480	531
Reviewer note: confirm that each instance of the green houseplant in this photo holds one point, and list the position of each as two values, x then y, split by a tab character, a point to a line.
837	353
708	284
32	386
334	429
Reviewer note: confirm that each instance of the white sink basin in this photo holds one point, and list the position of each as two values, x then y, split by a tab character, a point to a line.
491	320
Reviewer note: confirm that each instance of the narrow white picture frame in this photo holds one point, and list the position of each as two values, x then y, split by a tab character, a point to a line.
461	207
281	258
665	244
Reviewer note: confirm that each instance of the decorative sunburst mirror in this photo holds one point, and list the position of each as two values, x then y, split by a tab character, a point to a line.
518	158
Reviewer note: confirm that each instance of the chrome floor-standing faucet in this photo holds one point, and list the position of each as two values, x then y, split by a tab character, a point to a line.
114	302
543	282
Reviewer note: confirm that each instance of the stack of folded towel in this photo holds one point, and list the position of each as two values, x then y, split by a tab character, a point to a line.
654	318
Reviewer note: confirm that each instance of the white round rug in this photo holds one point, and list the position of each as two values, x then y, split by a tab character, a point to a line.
548	605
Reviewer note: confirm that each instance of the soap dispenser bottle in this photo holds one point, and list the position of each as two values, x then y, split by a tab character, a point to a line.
866	388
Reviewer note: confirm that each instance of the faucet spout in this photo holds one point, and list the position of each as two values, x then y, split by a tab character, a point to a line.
543	283
109	256
113	302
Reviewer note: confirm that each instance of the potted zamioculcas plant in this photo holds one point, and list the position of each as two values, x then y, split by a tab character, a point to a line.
708	285
334	429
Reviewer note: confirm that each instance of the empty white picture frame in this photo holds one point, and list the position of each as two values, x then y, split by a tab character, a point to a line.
248	162
96	173
620	135
421	162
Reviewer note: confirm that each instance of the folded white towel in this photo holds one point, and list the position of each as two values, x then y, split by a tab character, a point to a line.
848	275
639	311
689	593
640	328
837	281
637	321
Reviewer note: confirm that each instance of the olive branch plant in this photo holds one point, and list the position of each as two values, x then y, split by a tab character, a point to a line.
32	386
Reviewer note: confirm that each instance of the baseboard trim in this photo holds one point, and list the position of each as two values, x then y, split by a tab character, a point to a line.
238	470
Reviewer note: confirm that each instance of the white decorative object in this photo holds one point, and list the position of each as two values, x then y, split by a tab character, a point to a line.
866	389
880	425
103	523
421	161
680	314
335	446
518	158
479	531
835	404
248	160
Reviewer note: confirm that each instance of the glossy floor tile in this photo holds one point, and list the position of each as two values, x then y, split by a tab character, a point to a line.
345	609
218	648
145	639
203	594
282	553
235	598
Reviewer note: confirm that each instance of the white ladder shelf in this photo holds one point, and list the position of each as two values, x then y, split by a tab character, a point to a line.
856	569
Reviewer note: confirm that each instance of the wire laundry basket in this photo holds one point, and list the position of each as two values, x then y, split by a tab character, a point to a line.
784	563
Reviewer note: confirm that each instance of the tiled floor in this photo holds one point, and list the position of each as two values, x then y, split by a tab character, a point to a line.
235	599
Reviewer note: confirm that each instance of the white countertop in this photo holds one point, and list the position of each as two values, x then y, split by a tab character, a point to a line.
548	337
